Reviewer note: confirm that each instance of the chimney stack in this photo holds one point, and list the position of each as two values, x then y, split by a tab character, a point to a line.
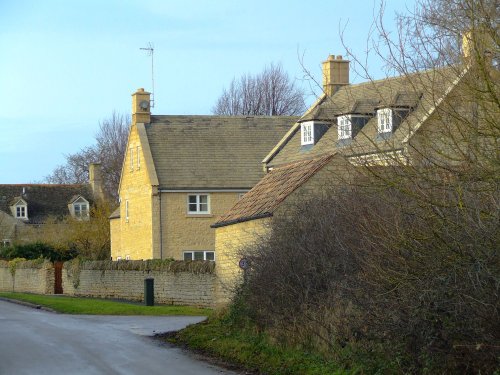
141	111
335	74
95	180
477	47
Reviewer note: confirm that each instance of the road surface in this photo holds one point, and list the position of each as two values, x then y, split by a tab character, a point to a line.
38	342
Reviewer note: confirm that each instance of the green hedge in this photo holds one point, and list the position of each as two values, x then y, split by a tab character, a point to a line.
196	267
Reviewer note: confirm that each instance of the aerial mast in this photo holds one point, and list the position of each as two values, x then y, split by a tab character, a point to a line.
150	51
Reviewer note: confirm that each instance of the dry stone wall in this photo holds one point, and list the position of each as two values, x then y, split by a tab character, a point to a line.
170	287
27	277
177	288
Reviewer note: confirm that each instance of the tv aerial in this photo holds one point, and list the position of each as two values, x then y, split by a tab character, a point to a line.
150	49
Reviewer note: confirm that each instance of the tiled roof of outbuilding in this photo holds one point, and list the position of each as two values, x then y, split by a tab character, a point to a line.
43	199
201	152
271	190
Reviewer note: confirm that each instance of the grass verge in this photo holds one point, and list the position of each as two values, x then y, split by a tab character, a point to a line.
251	351
95	306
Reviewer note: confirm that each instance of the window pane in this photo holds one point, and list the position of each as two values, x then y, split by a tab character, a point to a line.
210	255
198	255
203	199
192	199
203	207
188	256
192	207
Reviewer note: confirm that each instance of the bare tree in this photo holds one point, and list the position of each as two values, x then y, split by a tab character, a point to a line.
405	264
109	150
270	93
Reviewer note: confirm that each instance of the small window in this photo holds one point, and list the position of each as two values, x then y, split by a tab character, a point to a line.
131	159
118	258
81	210
198	204
127	257
21	211
384	116
199	255
344	124
138	158
6	242
307	133
126	210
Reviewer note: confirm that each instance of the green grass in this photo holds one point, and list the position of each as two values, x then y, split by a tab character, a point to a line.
94	306
244	347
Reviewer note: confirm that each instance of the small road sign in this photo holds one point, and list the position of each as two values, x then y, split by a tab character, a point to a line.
244	263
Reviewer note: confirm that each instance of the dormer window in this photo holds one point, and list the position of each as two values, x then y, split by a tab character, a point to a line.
384	117
311	132
307	133
19	209
79	208
344	127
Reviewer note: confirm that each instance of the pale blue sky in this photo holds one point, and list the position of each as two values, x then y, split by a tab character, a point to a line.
65	65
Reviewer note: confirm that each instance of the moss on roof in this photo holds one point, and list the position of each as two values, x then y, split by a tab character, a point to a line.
43	199
271	190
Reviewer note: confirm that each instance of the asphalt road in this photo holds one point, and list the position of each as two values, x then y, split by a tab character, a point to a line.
39	342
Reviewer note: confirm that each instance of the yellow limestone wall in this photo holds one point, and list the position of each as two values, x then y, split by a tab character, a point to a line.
134	237
229	243
182	231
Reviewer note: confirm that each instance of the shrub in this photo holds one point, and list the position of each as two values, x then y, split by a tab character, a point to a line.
403	282
36	250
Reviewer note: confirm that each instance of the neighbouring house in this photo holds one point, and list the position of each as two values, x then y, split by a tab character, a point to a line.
388	122
180	173
25	207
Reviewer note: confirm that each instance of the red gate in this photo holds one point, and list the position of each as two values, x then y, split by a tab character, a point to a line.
58	289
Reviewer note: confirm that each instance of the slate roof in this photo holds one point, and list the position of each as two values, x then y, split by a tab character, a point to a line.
43	199
271	190
202	152
419	92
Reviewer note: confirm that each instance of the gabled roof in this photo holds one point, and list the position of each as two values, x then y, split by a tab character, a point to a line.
271	190
77	197
420	92
43	199
207	152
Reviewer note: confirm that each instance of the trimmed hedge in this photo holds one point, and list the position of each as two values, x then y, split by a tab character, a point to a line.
196	267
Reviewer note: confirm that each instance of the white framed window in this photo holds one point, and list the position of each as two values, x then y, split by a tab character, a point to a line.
344	124
199	255
138	157
307	133
118	258
81	208
126	210
21	211
384	117
198	204
6	242
127	257
131	157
